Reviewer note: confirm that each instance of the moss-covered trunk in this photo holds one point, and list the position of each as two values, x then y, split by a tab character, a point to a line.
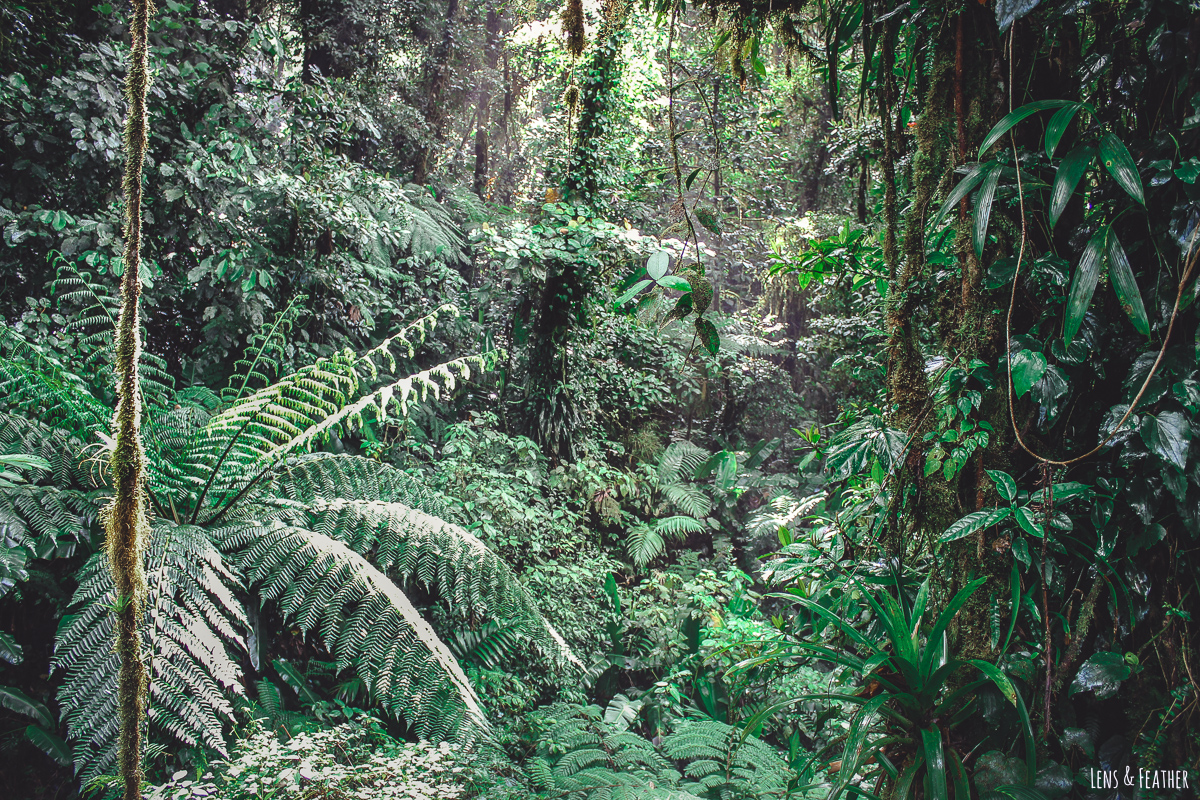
125	516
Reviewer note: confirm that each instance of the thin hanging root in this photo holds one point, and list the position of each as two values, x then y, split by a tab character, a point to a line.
125	517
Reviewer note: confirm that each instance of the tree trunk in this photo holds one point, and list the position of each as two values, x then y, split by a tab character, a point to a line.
435	116
483	112
125	517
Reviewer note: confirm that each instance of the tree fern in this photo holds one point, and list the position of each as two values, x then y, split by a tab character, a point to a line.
244	510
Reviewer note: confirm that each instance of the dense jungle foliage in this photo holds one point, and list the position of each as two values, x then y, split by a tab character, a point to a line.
478	399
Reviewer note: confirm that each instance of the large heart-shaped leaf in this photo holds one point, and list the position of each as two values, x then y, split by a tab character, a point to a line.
1028	367
1168	436
1102	674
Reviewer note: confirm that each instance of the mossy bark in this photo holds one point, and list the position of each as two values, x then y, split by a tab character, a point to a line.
125	517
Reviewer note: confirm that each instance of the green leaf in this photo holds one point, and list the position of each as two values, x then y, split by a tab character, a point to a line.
996	676
1066	178
633	291
724	464
683	307
1014	604
974	522
964	188
1009	11
934	751
676	282
1028	524
1102	674
938	631
1188	170
983	209
50	744
1058	126
1187	392
1126	287
10	651
1013	117
688	183
293	678
1119	163
708	335
1083	285
1027	369
18	701
1020	549
657	264
1004	484
1168	436
707	216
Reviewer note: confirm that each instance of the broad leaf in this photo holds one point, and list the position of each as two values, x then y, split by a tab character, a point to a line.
708	335
676	282
1168	436
1066	178
974	522
983	209
1027	369
1016	115
657	264
1119	164
18	701
1004	484
1009	11
1126	287
49	744
1083	286
1028	523
964	188
1058	126
1102	674
633	291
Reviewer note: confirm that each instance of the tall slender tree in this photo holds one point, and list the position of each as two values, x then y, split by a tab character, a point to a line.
125	516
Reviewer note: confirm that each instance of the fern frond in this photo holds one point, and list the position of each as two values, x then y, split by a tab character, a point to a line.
443	556
489	645
194	624
329	476
241	442
643	543
366	622
723	764
678	527
688	498
679	462
264	353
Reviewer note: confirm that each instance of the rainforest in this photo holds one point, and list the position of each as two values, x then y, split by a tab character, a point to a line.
599	399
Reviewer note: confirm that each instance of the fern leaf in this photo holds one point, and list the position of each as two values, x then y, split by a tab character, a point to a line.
368	623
